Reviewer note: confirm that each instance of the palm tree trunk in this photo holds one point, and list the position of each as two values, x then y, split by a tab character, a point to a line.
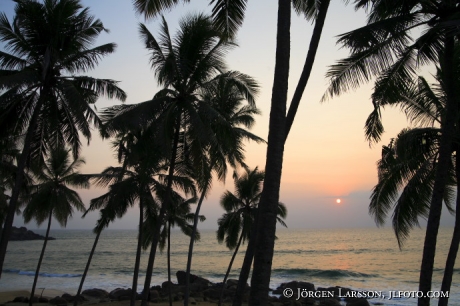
161	215
169	264
190	247
7	226
75	303
442	172
138	254
303	80
453	250
247	263
32	293
276	138
229	268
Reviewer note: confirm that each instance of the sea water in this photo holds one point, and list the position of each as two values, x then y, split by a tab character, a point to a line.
361	259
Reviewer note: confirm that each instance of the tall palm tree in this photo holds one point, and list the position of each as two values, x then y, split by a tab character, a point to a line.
410	161
178	214
142	176
112	209
226	94
228	17
43	96
51	195
235	226
385	49
107	216
9	155
182	120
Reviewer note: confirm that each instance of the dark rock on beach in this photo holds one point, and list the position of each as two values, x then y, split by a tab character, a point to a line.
96	293
357	302
194	279
58	301
23	234
121	294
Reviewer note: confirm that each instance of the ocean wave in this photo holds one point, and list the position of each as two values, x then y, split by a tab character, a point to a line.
321	273
43	274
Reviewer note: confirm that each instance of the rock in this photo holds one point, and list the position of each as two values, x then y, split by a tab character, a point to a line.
329	302
21	299
35	299
294	286
357	302
58	301
212	293
194	279
71	298
96	293
154	295
121	294
22	234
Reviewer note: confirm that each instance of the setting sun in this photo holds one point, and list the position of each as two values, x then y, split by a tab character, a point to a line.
338	201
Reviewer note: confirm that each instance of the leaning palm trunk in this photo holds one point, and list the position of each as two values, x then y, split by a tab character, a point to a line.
7	226
453	250
442	172
161	215
138	254
77	297
190	247
247	263
169	264
32	293
276	138
279	128
229	268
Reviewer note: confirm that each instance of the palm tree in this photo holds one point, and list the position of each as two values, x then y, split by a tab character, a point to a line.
42	94
410	161
179	213
182	120
384	49
227	17
112	209
9	155
235	226
51	196
107	216
141	176
226	95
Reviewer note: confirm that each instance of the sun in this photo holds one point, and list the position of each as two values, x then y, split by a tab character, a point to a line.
338	201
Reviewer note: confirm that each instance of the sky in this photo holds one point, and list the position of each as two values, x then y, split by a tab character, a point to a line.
326	155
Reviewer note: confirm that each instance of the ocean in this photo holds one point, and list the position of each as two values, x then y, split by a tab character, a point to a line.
361	259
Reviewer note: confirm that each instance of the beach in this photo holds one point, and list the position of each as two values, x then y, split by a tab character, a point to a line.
361	259
8	296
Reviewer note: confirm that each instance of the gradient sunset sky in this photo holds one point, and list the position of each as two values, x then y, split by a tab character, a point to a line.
326	155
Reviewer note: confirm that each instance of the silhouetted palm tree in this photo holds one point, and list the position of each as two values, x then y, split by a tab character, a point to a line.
235	226
385	49
142	175
182	120
408	166
226	94
227	17
9	155
178	214
43	97
51	195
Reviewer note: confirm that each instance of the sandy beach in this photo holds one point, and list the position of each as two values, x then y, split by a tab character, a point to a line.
9	296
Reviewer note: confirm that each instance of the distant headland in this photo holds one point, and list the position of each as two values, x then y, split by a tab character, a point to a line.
23	234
